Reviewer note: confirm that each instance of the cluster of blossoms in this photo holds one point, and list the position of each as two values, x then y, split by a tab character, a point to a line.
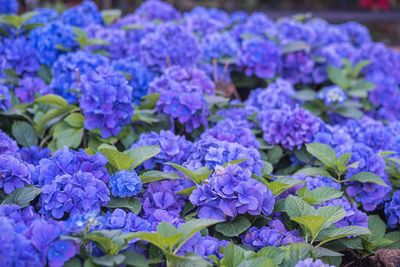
332	95
125	184
29	86
5	97
14	173
354	217
82	15
231	191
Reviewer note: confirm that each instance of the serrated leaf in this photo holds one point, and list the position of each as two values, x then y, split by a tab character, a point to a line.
54	100
234	255
344	232
149	101
150	176
76	120
22	196
274	253
281	184
186	172
109	260
344	159
296	207
55	114
368	177
322	152
187	191
311	171
332	213
338	77
325	193
295	252
233	228
118	159
24	134
67	136
154	238
141	154
133	204
377	227
311	222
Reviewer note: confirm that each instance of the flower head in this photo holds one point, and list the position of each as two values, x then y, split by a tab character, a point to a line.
125	184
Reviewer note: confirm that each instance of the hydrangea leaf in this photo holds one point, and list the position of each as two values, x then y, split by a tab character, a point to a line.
24	134
133	204
238	161
22	196
151	101
109	260
338	77
349	112
156	239
297	207
118	159
306	95
233	228
333	214
141	154
295	252
311	171
75	120
193	176
322	152
110	15
312	223
281	184
325	193
274	253
234	255
344	232
368	177
151	176
54	100
187	191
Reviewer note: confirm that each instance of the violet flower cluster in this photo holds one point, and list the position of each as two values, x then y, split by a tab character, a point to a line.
125	184
29	86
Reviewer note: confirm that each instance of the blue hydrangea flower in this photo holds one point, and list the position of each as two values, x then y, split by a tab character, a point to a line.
125	184
44	15
297	65
28	86
126	222
203	246
392	210
106	101
61	251
208	151
82	15
157	10
34	154
317	181
274	96
233	132
203	21
7	145
309	262
173	147
219	45
44	40
14	173
326	33
385	88
231	191
290	128
21	217
68	161
139	76
358	34
354	216
257	23
273	235
77	193
239	17
5	97
64	72
334	136
8	7
84	221
238	113
290	30
170	44
332	95
260	57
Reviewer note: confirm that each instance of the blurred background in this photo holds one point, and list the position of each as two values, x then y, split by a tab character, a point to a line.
381	16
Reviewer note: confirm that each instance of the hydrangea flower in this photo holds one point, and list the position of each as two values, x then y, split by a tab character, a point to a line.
82	15
173	149
170	44
233	132
28	86
358	34
332	95
68	161
208	151
61	251
65	69
203	246
20	55
21	217
203	21
334	136
368	194
231	191
157	10
290	128
274	234
290	30
125	184
239	114
274	96
296	65
77	193
8	7
309	262
44	15
34	154
218	46
7	145
317	181
392	210
354	217
14	173
106	101
256	24
44	40
5	98
260	57
126	222
139	76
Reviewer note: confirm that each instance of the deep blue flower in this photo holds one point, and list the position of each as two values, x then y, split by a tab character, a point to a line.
125	184
106	101
21	217
14	173
392	210
28	86
297	65
203	21
290	30
5	98
61	251
34	154
203	246
7	145
8	7
157	10
354	216
219	46
44	15
357	33
257	23
332	95
126	222
82	15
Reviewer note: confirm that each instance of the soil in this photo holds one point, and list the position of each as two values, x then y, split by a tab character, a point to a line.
381	258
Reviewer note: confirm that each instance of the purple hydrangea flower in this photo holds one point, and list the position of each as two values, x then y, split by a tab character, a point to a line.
218	46
231	191
77	193
65	75
392	210
326	33
8	7
239	114
290	128
28	86
257	24
239	17
34	154
106	101
170	44
385	88
332	95
297	65
354	216
82	15
173	149
334	136
61	251
273	235
309	262
358	34
208	151
289	30
68	161
157	10
14	173
203	246
260	57
126	222
5	98
317	181
7	145
44	40
21	217
203	21
233	132
125	184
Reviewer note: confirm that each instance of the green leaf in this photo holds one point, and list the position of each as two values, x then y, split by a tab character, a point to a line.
306	95
344	159
104	242
24	134
338	77
54	100
360	66
295	252
344	232
349	112
75	120
322	152
368	177
377	227
234	255
133	258
193	176
74	262
275	154
233	228
333	214
312	223
54	114
133	204
310	171
145	115
294	47
151	176
65	135
22	196
156	239
306	195
109	260
395	238
118	159
45	74
267	169
324	252
238	161
281	184
296	207
274	253
325	193
361	89
187	191
110	15
80	34
129	27
151	101
142	153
